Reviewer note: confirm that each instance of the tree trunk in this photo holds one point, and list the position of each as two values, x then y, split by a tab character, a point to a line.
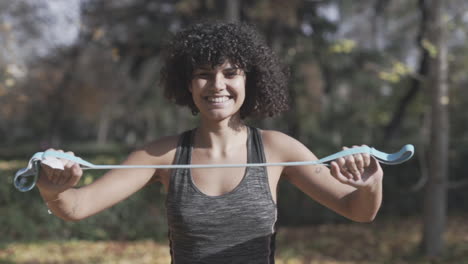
435	199
103	126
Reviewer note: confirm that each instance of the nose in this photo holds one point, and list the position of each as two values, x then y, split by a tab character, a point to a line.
219	82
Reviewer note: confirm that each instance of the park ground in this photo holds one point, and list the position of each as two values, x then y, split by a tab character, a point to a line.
392	241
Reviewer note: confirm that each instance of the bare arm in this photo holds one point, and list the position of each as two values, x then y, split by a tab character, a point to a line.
352	187
72	204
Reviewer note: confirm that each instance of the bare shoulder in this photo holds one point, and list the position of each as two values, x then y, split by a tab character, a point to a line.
159	151
273	139
282	147
274	136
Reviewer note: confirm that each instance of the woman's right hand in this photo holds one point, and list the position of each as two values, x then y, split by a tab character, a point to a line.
54	181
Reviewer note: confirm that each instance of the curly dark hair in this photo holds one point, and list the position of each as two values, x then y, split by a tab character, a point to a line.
213	44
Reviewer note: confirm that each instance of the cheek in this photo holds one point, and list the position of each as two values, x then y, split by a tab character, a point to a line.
196	85
241	93
240	86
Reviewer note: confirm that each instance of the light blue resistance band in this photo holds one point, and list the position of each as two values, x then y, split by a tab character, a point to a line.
25	179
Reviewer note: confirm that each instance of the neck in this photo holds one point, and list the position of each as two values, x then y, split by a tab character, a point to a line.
220	135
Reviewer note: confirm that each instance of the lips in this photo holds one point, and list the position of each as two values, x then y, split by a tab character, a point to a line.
217	99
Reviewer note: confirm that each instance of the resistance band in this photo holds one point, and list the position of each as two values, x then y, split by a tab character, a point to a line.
26	178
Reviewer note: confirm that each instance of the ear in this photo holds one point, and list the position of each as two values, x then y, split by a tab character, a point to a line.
190	87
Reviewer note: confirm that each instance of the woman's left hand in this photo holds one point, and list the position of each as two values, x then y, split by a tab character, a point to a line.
358	170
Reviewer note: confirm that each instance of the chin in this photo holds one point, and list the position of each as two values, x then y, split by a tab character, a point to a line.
218	117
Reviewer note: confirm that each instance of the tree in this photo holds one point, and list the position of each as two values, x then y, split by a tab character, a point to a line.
435	199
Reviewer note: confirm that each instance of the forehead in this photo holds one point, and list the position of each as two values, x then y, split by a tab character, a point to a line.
225	65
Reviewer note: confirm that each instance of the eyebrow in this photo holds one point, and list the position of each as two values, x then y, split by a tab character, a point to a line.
205	68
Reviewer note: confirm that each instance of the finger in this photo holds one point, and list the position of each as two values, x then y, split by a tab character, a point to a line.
341	162
46	171
343	169
335	171
56	174
359	161
352	168
366	158
66	172
350	163
65	179
76	174
67	164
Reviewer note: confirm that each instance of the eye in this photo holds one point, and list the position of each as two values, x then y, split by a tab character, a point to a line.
202	75
232	73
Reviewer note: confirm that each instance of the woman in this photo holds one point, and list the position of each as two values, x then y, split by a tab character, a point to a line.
224	73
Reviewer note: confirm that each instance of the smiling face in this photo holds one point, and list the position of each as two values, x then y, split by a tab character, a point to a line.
218	92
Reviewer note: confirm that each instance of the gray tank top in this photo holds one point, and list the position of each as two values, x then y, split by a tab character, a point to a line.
236	227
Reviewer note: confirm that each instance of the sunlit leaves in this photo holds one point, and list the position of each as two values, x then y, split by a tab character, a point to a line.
88	179
343	46
395	73
429	47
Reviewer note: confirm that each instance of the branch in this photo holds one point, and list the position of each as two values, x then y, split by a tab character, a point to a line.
395	122
424	171
421	155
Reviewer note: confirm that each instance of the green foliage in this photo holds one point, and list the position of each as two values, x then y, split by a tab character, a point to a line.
26	217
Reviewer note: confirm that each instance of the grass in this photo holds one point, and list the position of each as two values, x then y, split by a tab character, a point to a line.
384	241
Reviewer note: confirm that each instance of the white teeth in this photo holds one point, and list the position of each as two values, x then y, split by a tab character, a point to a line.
217	99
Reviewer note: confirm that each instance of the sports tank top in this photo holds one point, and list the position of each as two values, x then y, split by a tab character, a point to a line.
236	227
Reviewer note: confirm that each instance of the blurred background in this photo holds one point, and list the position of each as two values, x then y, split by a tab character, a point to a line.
83	75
